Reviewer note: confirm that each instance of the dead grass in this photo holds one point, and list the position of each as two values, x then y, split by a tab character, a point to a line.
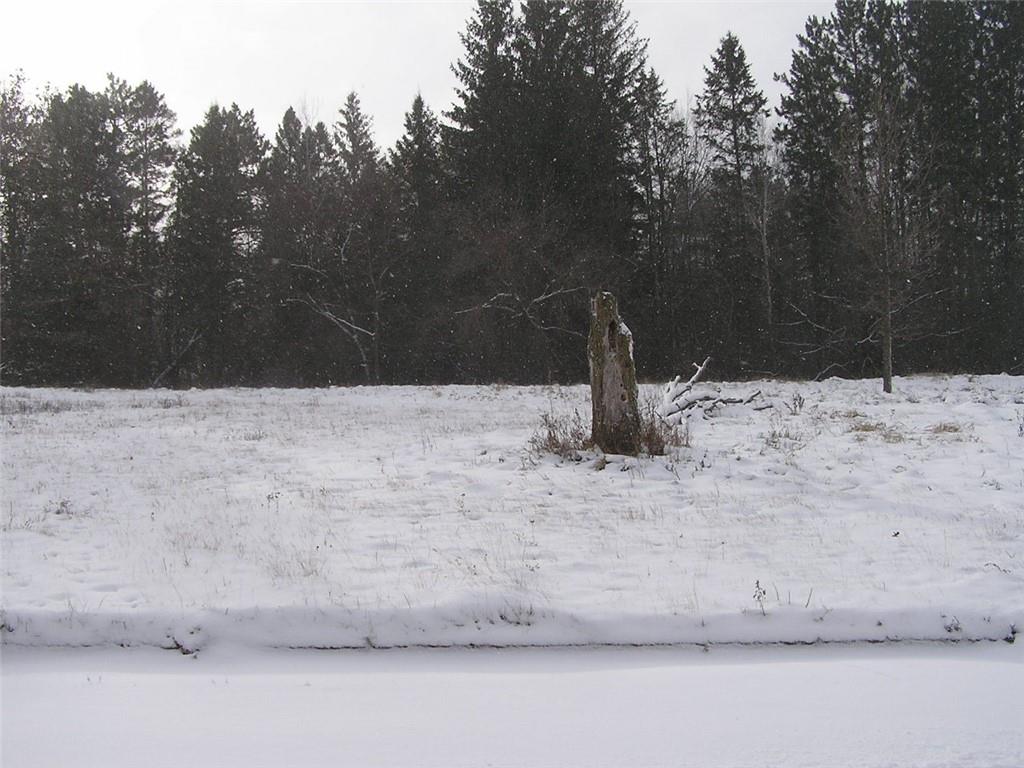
850	413
11	405
888	432
783	436
657	437
568	436
562	436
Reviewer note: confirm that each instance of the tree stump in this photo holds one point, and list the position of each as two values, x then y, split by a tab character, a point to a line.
613	393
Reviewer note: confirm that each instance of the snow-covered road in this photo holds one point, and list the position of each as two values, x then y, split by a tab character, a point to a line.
907	705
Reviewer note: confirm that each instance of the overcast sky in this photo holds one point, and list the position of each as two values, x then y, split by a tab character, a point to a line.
267	56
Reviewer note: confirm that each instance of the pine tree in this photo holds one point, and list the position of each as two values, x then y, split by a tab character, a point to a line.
811	113
943	47
149	149
18	182
1001	165
78	249
16	124
360	159
215	245
298	246
483	137
145	134
415	164
659	281
364	294
545	161
730	113
610	62
422	327
545	89
884	213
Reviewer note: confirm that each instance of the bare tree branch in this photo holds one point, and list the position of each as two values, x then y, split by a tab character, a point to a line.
196	336
510	303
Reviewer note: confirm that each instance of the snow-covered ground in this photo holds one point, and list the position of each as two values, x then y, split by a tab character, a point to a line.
416	516
840	707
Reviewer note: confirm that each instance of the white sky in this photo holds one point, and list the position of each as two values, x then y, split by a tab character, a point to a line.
267	56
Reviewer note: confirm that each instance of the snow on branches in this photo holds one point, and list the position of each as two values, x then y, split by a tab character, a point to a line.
677	398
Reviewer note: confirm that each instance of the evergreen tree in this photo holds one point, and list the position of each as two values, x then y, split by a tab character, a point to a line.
893	216
944	44
363	295
149	154
659	281
545	158
145	133
416	165
730	113
16	124
610	67
298	246
483	135
1001	166
811	113
360	159
422	326
544	88
17	190
214	279
77	273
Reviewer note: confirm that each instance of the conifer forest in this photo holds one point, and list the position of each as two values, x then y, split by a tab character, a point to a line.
873	219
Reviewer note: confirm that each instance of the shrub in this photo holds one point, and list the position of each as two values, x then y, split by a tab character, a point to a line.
564	436
656	435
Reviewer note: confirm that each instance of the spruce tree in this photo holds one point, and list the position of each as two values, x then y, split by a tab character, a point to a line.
145	133
811	116
364	292
730	113
297	247
18	182
213	286
78	250
610	62
1001	165
658	281
483	136
421	326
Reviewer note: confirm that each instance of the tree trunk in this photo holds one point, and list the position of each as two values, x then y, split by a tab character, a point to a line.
766	277
887	334
613	391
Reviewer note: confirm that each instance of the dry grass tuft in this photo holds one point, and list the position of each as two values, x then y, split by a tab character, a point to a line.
562	436
20	405
657	437
887	432
568	436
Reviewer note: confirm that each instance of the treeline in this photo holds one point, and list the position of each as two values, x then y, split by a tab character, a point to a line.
875	215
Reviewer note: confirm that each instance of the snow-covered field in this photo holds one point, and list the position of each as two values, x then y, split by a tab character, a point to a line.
416	516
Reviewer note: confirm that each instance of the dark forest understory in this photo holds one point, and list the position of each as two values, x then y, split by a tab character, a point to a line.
879	206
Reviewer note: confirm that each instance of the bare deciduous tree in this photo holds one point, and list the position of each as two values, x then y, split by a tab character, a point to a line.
887	231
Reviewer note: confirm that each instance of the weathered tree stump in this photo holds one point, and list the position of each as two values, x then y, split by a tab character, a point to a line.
613	393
